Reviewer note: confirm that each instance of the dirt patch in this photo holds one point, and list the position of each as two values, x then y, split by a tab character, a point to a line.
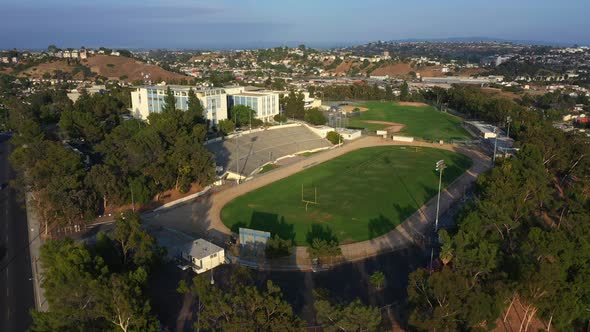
397	70
411	103
50	68
431	71
349	108
115	67
392	126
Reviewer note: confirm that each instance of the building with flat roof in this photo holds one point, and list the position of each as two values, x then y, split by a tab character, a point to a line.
150	99
264	103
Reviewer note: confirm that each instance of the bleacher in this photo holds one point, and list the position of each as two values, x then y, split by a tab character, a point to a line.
256	149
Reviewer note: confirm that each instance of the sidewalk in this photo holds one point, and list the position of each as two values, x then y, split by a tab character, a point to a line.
34	246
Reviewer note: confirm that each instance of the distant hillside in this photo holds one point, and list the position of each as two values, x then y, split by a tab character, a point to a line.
53	67
112	67
118	67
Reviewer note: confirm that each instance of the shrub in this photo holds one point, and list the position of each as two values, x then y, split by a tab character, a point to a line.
277	247
334	137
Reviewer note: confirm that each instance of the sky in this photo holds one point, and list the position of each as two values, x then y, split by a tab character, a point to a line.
263	23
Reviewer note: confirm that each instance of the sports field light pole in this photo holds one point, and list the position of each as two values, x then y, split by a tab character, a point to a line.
238	156
508	120
440	166
495	146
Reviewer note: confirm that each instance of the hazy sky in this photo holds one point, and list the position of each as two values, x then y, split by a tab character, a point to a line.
243	23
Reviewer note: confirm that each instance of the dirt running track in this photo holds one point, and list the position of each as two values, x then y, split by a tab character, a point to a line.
204	215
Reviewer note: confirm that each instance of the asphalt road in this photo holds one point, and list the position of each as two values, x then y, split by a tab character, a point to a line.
16	286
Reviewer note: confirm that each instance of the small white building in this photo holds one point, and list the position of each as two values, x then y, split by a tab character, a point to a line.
202	255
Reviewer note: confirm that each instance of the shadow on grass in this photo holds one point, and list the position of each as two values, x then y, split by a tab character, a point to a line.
268	222
320	232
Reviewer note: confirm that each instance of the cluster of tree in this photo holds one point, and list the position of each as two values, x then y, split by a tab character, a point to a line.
315	117
237	305
474	103
523	238
293	105
99	287
355	92
278	247
353	316
244	116
106	160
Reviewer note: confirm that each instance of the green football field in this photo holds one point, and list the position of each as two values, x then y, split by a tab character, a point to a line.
422	121
360	195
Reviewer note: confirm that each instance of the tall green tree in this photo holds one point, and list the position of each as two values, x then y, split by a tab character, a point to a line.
354	316
242	308
404	91
195	106
169	101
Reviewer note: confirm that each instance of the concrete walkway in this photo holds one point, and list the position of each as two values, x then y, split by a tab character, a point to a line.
204	216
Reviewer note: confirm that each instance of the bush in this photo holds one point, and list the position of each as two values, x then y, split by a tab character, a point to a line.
323	248
226	126
315	117
334	137
280	118
277	247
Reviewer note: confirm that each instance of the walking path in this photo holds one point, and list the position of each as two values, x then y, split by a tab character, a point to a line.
205	215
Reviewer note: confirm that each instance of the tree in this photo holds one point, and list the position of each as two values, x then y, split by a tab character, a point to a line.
442	301
315	117
280	118
294	105
123	304
278	247
195	106
322	248
169	101
352	317
378	279
107	183
88	289
334	137
404	91
226	126
242	308
134	243
243	116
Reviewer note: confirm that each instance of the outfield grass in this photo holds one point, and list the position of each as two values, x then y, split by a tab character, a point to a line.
361	195
423	121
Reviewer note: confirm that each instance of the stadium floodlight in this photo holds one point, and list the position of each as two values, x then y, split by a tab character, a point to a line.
496	131
440	166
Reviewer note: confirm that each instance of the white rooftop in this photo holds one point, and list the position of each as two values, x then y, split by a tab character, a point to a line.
201	248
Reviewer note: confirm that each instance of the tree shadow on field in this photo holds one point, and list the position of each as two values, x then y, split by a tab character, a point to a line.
320	232
379	226
268	222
